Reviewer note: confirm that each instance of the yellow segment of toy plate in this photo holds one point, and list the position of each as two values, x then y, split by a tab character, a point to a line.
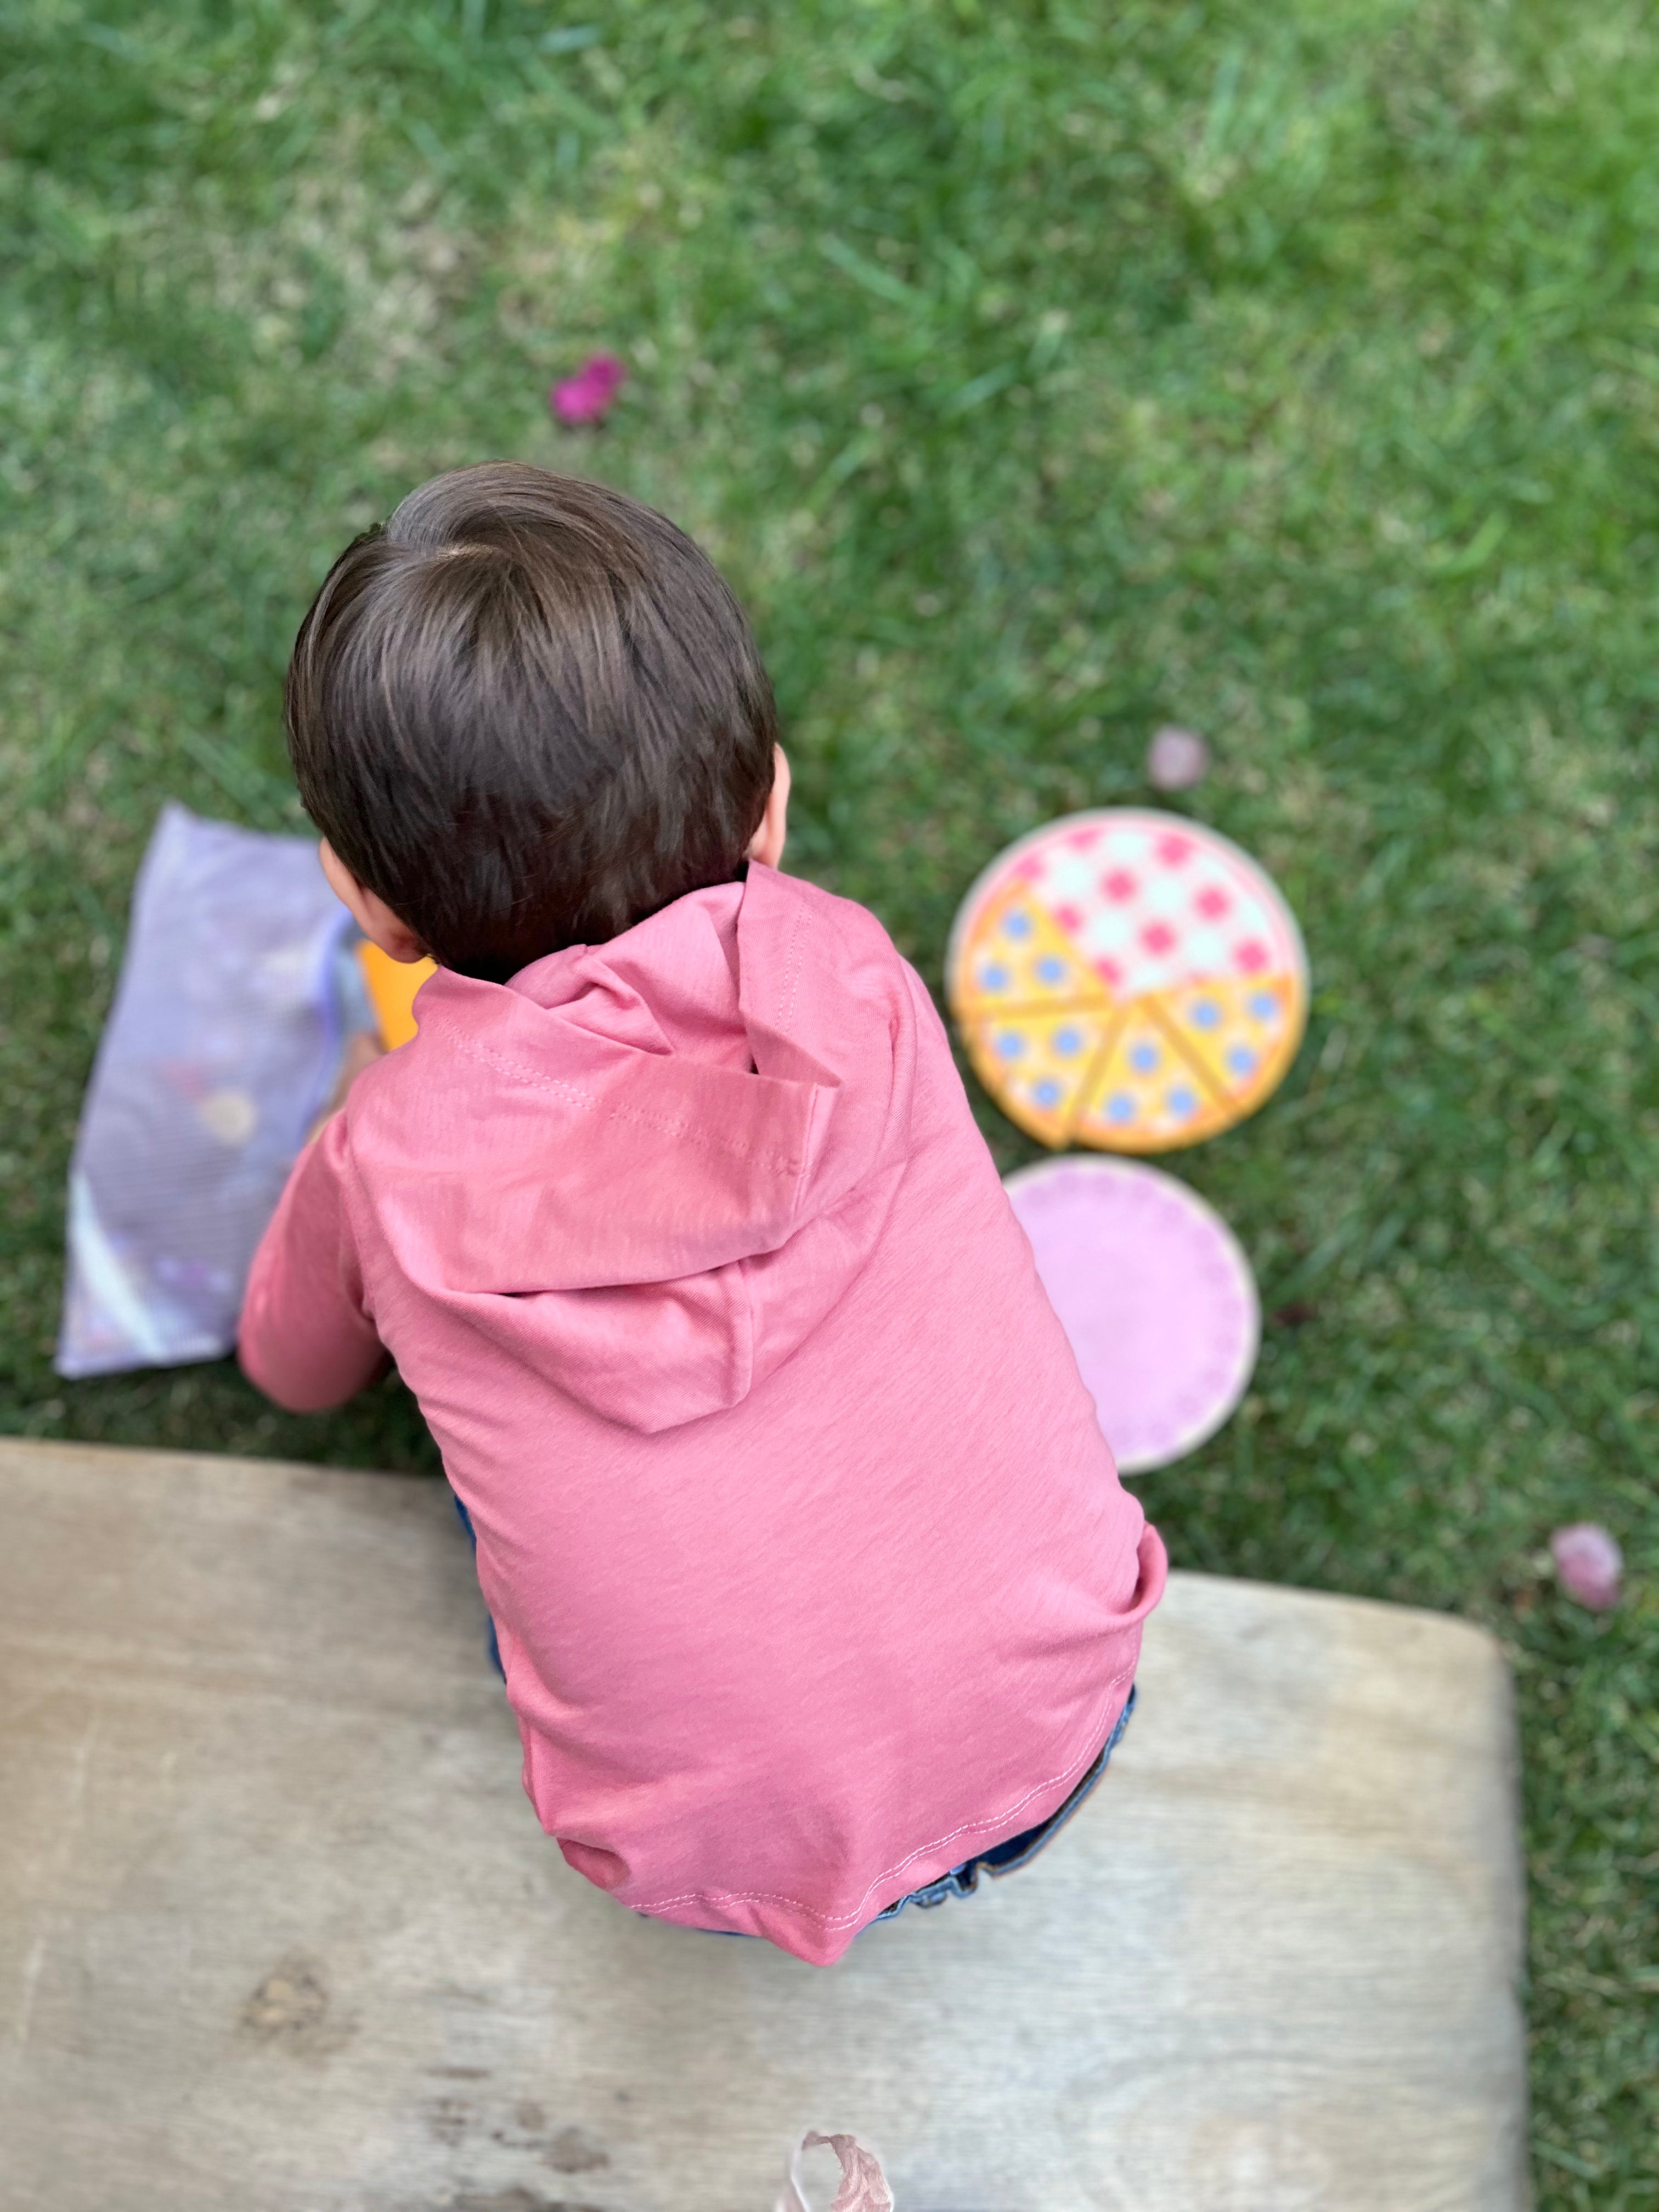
1020	957
1240	1031
392	985
1148	1096
1040	1065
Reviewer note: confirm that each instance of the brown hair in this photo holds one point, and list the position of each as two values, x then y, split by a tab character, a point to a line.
528	712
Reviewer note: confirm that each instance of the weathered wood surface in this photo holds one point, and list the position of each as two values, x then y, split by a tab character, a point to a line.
279	1932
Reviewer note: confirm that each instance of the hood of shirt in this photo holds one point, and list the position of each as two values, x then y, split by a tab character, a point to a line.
650	1167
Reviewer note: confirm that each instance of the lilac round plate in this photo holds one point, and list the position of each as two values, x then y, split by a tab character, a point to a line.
1155	1293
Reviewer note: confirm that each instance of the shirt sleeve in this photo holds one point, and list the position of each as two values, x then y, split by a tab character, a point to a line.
306	1337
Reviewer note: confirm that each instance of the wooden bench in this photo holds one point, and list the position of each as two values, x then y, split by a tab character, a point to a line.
279	1932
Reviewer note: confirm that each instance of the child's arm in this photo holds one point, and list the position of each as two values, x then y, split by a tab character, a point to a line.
305	1338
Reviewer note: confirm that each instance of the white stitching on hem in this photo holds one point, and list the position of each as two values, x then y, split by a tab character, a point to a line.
924	1850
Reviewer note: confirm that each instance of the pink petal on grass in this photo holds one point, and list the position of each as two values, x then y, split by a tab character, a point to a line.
587	395
1589	1562
1176	759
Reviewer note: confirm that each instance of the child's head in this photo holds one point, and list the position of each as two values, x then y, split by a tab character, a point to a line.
527	714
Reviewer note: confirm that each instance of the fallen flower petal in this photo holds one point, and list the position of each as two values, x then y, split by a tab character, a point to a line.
1589	1562
1176	759
587	396
863	2184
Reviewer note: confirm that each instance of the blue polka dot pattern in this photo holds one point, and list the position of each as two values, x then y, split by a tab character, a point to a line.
1120	1107
1206	1015
1067	1044
1047	1092
1264	1006
1010	1046
993	978
1051	970
1241	1059
1181	1103
1144	1058
1017	924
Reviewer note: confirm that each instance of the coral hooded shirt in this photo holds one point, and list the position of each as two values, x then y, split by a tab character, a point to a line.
811	1571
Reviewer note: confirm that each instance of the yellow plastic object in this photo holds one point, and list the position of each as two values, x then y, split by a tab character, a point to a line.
1127	980
392	985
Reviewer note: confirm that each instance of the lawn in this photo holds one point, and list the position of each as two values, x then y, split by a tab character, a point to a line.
1039	372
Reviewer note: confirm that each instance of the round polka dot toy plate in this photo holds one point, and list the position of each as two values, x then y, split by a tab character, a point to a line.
1155	1293
1127	980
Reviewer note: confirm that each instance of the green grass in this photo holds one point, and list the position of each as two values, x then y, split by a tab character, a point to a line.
1039	372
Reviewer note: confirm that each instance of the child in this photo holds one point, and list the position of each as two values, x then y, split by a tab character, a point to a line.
816	1590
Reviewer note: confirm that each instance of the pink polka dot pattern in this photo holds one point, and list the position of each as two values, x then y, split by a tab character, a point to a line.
1154	1294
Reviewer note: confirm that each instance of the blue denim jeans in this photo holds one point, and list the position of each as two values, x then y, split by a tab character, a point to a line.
492	1648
